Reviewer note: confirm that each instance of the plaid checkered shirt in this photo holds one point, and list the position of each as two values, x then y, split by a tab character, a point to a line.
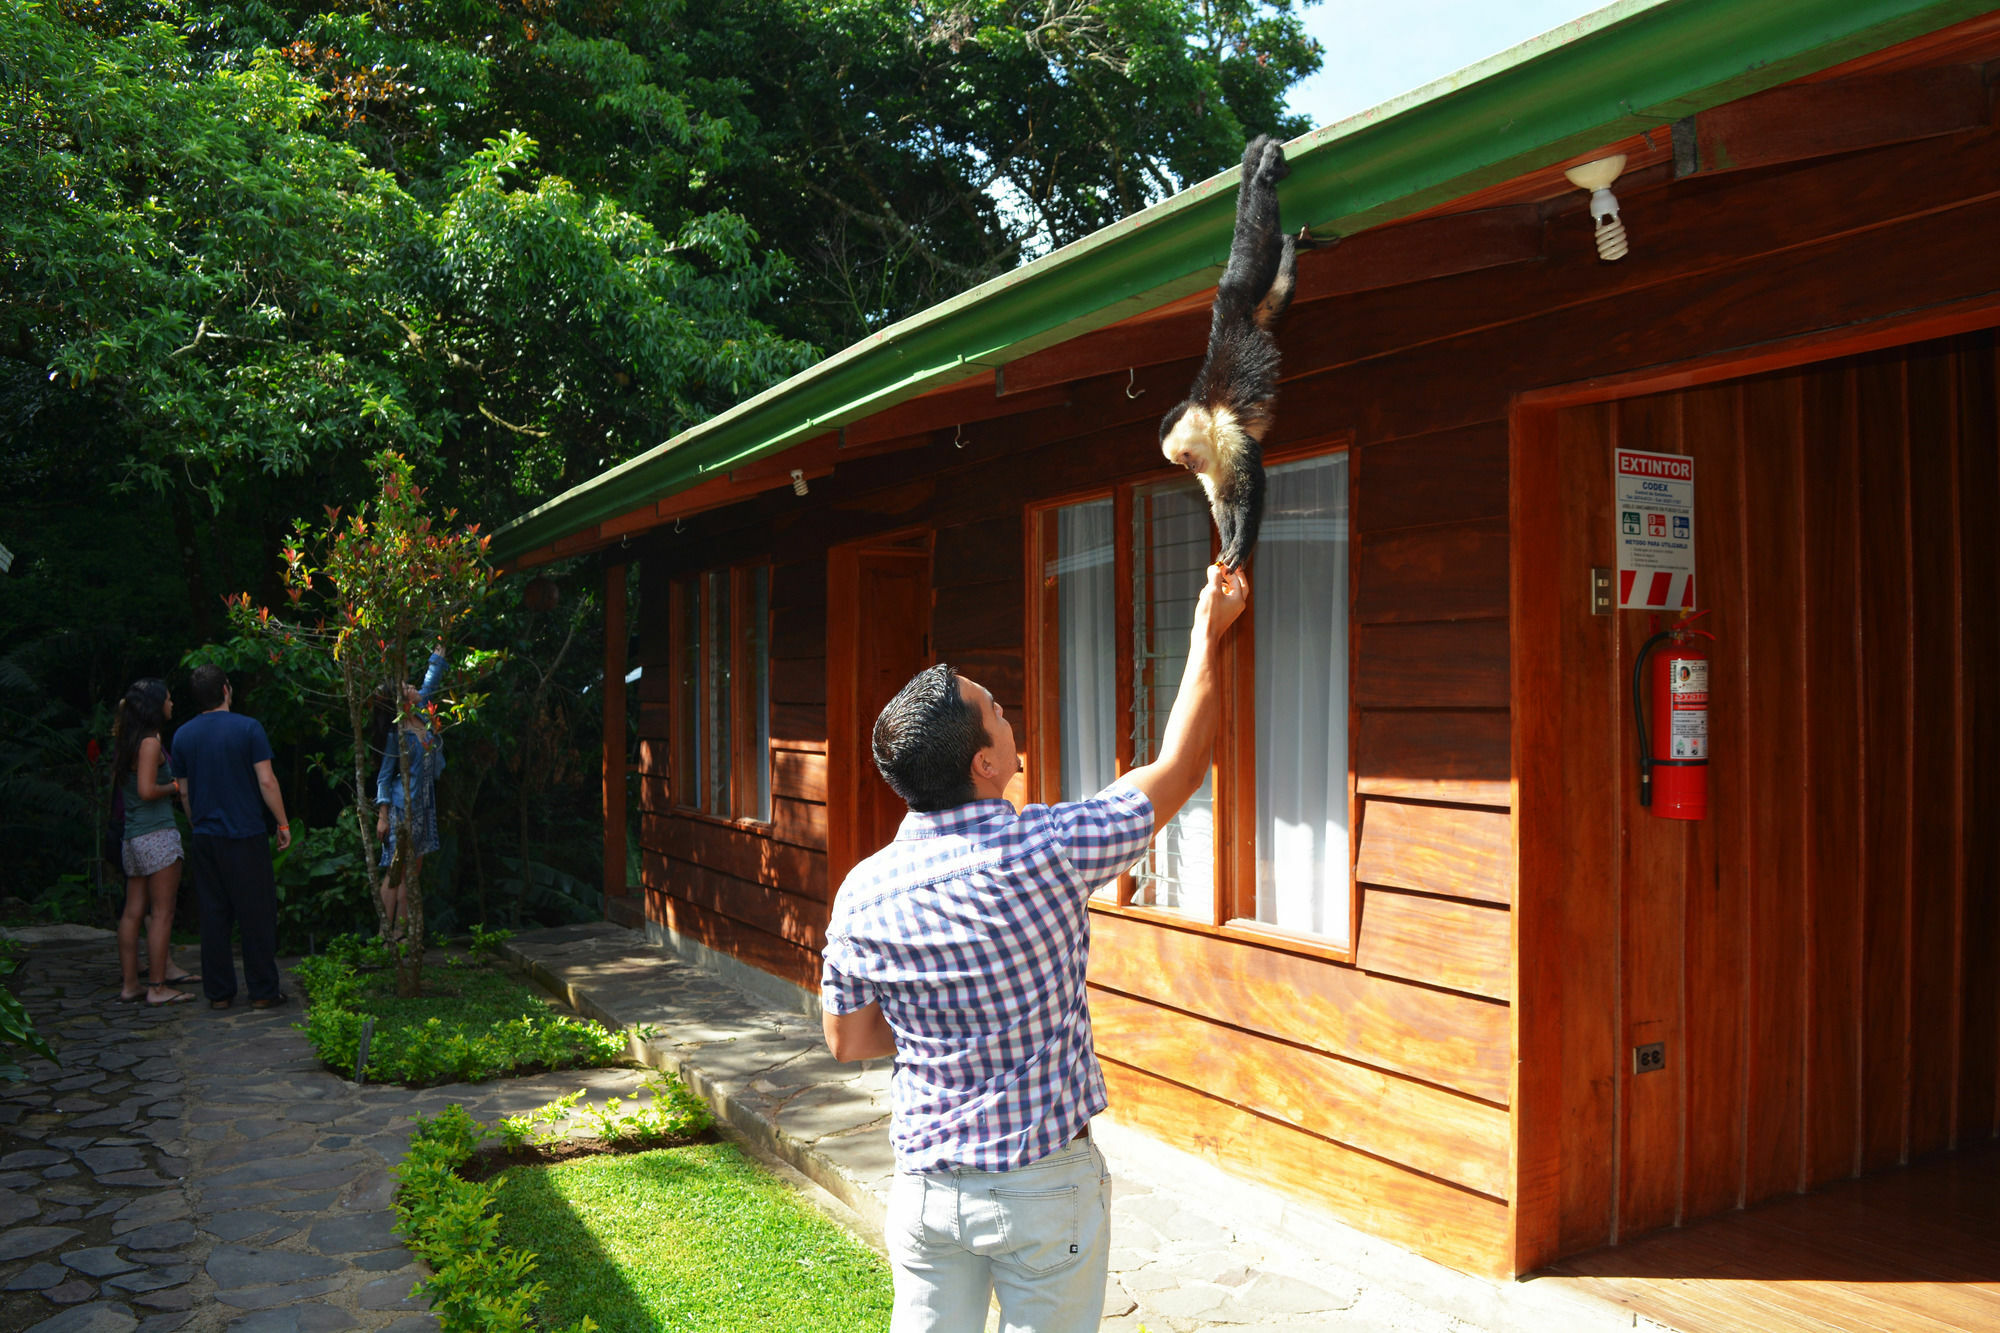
971	930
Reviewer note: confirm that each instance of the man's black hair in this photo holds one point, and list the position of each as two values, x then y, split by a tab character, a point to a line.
210	686
925	741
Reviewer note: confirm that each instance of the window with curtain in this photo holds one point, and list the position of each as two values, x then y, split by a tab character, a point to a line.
1264	841
1170	554
722	713
1300	597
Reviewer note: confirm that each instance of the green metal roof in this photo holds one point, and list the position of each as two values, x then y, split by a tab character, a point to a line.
1632	66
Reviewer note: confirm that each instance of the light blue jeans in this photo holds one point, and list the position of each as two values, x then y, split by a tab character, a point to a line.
1039	1236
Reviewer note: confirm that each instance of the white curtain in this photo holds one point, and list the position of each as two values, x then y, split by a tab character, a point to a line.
1301	613
1085	588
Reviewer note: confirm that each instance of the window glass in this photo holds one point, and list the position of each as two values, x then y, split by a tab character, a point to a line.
1300	610
760	683
688	715
1081	579
1170	556
716	650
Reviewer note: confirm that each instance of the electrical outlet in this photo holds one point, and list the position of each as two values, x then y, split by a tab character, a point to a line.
1601	601
1650	1058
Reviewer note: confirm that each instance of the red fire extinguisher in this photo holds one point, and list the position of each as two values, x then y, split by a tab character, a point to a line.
1678	744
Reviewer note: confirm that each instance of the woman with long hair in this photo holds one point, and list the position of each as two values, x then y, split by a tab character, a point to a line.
407	734
151	849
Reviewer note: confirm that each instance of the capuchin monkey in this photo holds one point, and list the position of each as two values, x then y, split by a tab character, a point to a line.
1217	432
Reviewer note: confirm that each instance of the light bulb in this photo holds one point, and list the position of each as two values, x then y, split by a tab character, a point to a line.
798	481
1596	177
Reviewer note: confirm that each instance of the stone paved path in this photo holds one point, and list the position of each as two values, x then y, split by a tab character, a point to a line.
187	1169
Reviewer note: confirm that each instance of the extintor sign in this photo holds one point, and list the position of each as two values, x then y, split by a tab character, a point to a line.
1652	498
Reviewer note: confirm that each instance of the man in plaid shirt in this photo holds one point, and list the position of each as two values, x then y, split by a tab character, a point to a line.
960	949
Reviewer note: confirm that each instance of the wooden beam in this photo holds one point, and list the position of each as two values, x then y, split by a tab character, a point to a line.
978	400
1802	121
1540	559
614	732
1386	257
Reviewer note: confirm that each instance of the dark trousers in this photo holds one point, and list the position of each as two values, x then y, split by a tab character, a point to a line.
236	890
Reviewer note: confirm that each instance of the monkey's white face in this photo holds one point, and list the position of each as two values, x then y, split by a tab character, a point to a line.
1208	444
1191	443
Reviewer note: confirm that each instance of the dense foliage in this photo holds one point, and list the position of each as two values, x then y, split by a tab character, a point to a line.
17	1025
248	245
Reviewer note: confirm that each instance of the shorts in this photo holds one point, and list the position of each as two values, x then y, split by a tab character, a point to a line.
150	853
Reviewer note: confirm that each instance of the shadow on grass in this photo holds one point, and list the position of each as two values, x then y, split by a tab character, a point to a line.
697	1237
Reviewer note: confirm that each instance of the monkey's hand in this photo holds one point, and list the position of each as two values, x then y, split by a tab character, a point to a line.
1271	166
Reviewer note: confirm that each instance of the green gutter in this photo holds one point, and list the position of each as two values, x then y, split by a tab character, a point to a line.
1633	66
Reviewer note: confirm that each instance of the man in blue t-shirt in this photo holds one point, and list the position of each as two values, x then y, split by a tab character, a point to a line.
224	764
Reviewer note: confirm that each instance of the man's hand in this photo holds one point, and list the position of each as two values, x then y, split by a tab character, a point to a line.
1222	600
381	821
274	801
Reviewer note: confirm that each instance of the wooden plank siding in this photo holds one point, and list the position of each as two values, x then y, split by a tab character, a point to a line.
1462	1085
1807	952
756	891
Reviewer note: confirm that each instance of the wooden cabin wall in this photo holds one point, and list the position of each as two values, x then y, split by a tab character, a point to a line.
1818	955
1387	1088
1376	1088
755	891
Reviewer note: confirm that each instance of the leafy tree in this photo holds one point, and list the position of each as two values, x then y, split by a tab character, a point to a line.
894	155
199	261
388	581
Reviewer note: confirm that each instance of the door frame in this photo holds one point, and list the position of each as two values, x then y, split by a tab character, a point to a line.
1537	585
845	727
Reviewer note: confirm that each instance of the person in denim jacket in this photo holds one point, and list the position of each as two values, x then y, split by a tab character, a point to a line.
421	745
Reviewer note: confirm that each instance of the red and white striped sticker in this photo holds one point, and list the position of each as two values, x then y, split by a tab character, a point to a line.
1657	589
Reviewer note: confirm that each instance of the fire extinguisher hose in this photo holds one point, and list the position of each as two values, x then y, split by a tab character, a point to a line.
1639	715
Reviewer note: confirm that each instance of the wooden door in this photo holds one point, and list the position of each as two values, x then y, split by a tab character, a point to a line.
1817	954
878	636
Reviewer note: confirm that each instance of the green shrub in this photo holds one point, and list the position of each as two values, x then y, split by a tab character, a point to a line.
476	1285
474	1023
322	885
17	1026
673	1113
486	943
538	1127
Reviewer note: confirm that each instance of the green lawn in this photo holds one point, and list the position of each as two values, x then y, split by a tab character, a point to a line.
474	1021
695	1238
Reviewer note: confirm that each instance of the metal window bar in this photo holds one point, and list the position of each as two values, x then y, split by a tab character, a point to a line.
1168	560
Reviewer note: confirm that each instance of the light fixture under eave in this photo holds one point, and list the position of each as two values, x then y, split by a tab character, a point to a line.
1596	177
798	481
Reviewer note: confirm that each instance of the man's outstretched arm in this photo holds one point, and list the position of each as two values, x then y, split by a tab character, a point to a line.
861	1035
1189	741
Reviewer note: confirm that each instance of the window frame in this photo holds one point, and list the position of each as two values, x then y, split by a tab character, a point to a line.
744	788
1233	767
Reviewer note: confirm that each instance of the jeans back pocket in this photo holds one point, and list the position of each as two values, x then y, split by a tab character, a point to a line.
1040	1226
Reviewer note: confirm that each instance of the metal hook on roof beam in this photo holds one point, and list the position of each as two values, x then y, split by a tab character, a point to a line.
1131	383
677	524
958	436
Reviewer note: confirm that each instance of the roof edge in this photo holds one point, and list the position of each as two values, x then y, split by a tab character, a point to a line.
1632	66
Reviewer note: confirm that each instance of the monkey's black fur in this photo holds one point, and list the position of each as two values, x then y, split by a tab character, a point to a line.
1217	431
